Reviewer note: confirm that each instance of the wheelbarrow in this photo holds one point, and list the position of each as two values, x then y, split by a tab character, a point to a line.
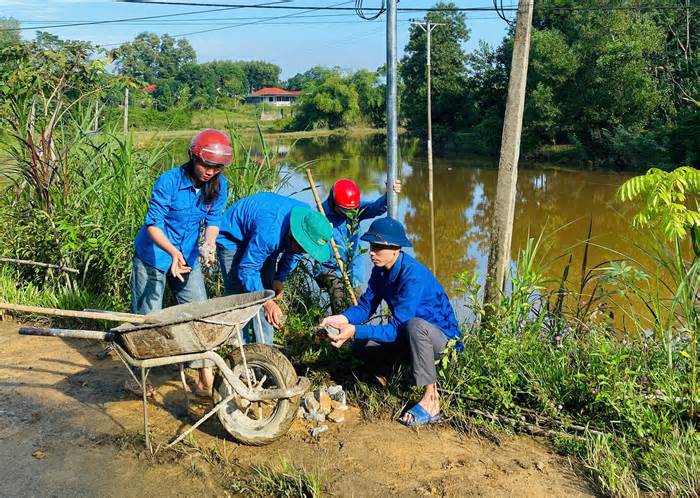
256	390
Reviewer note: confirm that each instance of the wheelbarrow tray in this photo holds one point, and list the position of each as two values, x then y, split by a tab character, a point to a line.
192	327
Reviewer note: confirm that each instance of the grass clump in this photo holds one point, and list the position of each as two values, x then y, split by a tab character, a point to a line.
285	481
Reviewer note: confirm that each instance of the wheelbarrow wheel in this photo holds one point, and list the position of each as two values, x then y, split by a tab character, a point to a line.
258	423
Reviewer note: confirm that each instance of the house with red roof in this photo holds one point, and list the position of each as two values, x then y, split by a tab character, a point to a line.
273	96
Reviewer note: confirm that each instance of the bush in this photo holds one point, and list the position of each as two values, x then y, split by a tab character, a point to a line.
150	119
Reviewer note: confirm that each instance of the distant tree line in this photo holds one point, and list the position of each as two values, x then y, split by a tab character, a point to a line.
618	86
171	65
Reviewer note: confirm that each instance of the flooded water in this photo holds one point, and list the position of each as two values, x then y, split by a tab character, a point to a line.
553	201
559	203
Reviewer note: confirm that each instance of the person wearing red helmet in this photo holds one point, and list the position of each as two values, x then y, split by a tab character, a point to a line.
344	207
166	249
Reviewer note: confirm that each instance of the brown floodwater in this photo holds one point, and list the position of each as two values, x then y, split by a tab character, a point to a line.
552	201
555	202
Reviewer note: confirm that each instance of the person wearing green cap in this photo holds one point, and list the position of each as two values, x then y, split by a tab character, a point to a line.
261	239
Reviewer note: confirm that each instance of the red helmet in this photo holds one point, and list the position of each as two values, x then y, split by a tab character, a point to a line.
346	194
212	147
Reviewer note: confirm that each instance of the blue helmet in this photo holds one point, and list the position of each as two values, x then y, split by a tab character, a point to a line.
386	231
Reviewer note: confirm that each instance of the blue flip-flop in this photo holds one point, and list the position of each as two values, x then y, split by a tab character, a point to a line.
420	417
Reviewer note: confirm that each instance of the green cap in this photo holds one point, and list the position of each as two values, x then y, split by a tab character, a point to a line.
312	231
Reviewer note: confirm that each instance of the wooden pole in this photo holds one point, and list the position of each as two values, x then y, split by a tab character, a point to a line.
37	263
504	210
336	254
109	316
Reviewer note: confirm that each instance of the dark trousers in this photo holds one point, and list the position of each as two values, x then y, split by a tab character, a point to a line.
419	340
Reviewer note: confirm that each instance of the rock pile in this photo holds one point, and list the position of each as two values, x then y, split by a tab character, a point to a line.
325	403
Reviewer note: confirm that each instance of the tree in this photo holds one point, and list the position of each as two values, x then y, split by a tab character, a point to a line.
260	73
230	79
150	58
451	108
371	96
332	103
312	76
9	32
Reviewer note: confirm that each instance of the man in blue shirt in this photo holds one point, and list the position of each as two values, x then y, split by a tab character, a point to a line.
345	210
422	319
261	240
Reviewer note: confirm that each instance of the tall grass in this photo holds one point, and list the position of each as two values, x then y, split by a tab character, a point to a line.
540	361
77	196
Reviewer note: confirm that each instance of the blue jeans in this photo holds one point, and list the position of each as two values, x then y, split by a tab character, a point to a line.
229	260
148	287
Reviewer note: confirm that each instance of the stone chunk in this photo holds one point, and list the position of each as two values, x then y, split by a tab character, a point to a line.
324	402
337	405
337	393
310	403
315	416
337	416
318	430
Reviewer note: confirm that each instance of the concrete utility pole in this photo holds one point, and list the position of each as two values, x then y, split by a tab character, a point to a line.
392	135
428	27
504	210
126	111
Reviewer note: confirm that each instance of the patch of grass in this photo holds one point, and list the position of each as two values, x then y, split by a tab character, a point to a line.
286	480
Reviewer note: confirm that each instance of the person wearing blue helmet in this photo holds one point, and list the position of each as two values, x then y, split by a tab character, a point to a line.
422	319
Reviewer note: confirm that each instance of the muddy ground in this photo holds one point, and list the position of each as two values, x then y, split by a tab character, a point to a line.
68	428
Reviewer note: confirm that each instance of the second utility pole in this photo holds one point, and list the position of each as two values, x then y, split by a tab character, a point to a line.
504	209
428	27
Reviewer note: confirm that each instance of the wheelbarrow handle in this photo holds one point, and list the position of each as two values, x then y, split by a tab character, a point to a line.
96	335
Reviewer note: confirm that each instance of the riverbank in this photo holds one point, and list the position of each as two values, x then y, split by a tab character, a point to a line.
68	428
146	136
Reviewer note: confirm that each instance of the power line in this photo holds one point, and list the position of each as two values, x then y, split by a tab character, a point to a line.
285	16
128	19
417	9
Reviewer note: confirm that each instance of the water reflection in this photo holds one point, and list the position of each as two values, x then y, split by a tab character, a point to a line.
560	202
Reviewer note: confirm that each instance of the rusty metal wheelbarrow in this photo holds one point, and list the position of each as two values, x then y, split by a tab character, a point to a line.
256	388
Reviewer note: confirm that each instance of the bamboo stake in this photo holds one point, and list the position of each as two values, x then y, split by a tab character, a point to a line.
346	279
37	263
112	317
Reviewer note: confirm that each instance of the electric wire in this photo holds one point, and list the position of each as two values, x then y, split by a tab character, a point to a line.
640	7
128	19
360	11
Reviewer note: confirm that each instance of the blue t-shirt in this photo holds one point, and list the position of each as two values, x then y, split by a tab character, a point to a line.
411	291
177	208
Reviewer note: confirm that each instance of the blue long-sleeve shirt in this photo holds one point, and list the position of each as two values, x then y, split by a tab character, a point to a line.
258	225
177	208
411	291
347	242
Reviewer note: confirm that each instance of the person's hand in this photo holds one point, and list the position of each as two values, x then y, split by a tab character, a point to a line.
273	314
346	332
208	254
179	266
335	321
278	287
397	186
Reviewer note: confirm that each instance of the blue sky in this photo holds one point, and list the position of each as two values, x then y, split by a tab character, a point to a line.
295	43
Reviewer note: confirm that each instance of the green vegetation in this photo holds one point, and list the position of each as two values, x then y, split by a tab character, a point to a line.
616	84
547	358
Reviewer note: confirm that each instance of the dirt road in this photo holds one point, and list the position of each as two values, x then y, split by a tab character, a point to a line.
67	428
